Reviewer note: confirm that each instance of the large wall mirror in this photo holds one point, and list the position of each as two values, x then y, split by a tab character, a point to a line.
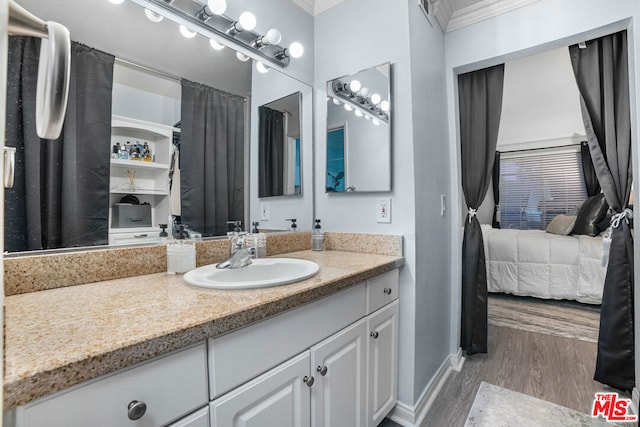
359	132
279	147
151	60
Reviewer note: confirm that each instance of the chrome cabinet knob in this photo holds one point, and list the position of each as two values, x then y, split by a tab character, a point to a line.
322	370
136	409
374	335
387	291
308	380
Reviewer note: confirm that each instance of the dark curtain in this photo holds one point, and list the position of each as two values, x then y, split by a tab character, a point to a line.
271	152
211	158
61	192
480	99
589	171
496	191
601	72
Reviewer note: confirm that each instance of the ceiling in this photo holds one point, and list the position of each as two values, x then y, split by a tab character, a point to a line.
450	14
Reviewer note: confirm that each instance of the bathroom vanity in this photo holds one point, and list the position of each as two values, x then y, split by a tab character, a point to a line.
151	350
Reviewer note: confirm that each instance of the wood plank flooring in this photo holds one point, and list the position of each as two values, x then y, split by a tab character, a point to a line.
553	368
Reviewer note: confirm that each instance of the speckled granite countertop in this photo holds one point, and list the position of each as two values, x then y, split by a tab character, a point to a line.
61	337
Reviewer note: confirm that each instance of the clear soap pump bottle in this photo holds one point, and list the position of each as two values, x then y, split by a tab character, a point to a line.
317	237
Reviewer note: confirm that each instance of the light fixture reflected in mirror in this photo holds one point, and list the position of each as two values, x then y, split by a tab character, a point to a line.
217	7
187	33
152	16
261	67
215	45
116	1
242	57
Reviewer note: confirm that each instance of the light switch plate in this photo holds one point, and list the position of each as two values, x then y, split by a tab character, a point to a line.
264	211
383	210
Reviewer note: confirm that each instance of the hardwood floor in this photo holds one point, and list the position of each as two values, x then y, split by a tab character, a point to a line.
556	369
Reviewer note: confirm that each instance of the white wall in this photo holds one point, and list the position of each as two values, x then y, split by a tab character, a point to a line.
267	88
535	28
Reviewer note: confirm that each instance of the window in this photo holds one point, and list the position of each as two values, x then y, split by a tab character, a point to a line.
537	185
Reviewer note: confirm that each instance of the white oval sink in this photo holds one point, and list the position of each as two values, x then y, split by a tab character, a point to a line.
261	273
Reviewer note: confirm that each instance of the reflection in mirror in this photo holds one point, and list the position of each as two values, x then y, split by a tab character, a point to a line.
359	132
141	93
279	147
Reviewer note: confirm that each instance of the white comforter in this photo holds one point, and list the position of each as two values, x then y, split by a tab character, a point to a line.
544	265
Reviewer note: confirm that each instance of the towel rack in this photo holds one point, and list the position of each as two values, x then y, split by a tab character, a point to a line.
53	67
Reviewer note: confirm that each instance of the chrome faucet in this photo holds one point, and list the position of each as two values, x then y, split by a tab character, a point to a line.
241	258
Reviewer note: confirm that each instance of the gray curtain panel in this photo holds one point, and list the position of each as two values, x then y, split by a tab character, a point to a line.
270	152
61	192
211	158
496	190
480	103
601	72
589	171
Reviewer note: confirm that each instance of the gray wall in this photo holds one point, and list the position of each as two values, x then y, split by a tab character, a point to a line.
431	164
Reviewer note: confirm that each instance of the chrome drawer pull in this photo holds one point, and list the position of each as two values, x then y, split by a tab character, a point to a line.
136	410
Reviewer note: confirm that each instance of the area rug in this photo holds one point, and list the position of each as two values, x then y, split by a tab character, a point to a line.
564	319
495	406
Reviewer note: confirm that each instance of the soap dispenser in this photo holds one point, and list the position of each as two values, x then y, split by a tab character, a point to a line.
257	240
317	237
294	226
181	253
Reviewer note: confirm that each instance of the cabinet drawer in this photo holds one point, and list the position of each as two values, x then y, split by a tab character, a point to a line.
381	290
237	357
152	236
170	387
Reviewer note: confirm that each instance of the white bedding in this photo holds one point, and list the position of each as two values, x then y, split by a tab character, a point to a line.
544	265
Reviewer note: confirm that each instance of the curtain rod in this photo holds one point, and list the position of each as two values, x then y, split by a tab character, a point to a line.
151	70
541	148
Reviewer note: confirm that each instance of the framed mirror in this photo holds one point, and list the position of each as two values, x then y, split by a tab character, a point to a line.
279	147
359	132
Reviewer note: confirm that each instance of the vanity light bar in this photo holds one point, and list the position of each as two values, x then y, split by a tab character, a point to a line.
363	103
196	15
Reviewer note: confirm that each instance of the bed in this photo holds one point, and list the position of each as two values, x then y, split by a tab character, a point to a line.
544	265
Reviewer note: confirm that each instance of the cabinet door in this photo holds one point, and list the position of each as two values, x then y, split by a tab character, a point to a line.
339	365
382	353
278	398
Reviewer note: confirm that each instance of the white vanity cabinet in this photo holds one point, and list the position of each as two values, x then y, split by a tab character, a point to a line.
151	394
346	379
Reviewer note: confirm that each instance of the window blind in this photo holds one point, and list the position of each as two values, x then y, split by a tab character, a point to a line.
537	185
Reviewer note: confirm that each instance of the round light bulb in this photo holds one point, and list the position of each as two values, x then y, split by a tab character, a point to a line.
187	33
152	16
375	99
335	101
242	57
261	67
384	105
116	1
273	36
358	113
367	117
348	107
247	21
296	50
355	85
215	45
376	122
364	92
217	7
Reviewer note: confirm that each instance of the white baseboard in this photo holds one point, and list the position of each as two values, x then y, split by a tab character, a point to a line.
411	416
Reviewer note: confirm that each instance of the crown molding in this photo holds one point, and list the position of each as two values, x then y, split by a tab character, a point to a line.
322	5
307	5
442	11
483	10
